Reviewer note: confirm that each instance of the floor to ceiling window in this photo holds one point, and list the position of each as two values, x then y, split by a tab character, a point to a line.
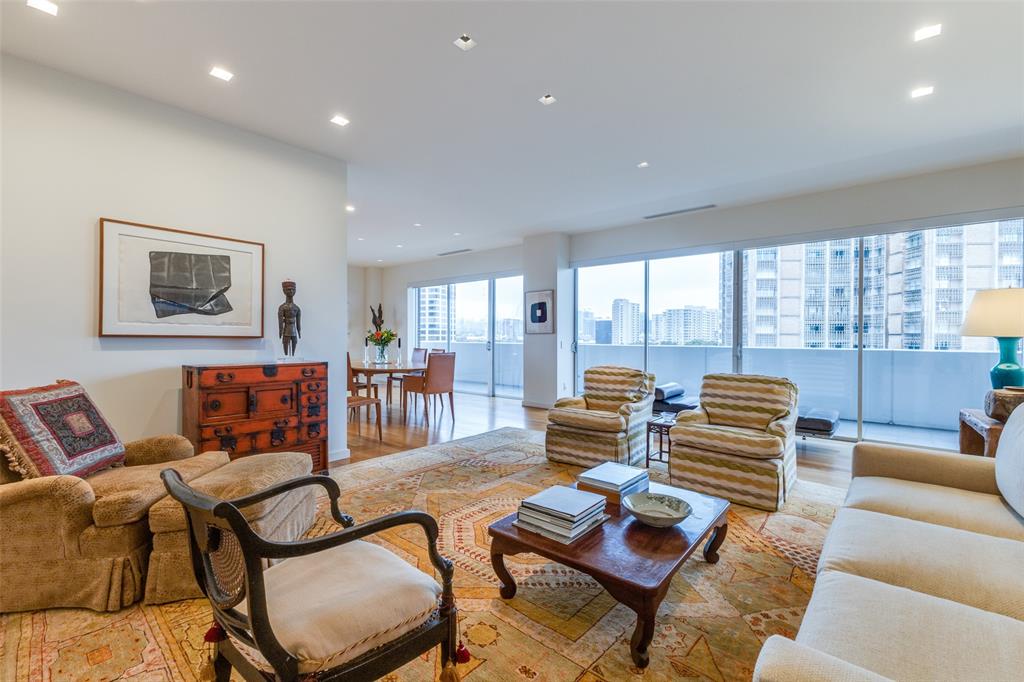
482	323
894	366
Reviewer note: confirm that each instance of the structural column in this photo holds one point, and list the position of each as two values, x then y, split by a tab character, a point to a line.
548	358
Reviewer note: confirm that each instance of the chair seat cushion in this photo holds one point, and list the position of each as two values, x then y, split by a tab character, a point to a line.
974	569
125	494
54	430
330	607
942	505
907	635
593	420
731	440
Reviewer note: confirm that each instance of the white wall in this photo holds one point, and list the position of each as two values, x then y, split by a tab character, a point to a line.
74	151
547	358
356	308
967	194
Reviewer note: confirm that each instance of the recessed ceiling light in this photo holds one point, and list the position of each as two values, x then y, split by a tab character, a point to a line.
44	6
922	91
350	208
456	234
643	164
927	32
398	246
380	260
222	74
359	239
547	99
465	43
416	225
339	120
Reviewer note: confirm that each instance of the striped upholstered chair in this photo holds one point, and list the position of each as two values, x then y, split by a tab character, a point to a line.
740	443
608	423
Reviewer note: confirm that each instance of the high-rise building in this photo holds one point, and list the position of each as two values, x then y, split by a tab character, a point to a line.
586	332
627	324
433	322
602	331
686	325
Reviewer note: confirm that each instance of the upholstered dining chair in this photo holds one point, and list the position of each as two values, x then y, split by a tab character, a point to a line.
740	443
608	423
360	385
356	402
438	379
419	356
339	608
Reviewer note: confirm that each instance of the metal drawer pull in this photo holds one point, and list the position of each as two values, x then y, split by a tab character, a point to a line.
308	372
225	377
215	404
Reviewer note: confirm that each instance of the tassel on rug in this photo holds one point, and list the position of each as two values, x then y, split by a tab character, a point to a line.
215	634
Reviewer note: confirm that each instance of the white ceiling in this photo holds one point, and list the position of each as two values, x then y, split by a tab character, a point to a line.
728	102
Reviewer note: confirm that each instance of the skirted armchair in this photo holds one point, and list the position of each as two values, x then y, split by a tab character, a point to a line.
608	423
740	443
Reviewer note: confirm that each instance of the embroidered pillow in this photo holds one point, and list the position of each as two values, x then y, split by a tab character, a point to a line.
57	429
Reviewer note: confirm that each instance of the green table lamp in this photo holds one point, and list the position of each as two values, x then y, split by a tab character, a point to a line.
999	313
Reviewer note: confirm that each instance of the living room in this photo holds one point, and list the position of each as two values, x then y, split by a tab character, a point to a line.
368	296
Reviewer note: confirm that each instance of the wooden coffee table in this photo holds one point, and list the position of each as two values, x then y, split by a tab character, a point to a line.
633	561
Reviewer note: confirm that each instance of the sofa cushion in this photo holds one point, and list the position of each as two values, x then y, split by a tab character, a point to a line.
592	420
953	507
243	476
907	635
970	568
1010	461
606	387
54	430
332	606
125	494
730	440
749	401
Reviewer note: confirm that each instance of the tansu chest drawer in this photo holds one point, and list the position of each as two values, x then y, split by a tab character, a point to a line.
249	409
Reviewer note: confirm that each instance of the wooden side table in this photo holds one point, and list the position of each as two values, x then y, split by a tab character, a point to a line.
979	433
660	427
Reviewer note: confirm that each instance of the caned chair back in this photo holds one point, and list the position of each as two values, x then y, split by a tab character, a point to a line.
419	356
747	400
607	387
440	374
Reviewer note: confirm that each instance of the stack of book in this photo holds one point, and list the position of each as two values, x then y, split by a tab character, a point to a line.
614	481
561	513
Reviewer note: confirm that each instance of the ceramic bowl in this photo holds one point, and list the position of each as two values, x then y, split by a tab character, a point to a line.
656	510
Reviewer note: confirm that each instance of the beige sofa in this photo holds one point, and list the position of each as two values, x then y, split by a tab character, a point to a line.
106	540
921	576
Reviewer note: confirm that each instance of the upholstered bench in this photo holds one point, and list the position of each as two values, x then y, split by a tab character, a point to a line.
285	517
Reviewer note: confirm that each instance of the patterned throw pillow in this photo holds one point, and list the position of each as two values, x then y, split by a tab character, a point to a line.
57	429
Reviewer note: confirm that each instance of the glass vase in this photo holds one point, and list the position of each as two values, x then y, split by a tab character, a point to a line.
382	355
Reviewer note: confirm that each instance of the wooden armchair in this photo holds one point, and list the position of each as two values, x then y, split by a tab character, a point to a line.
339	609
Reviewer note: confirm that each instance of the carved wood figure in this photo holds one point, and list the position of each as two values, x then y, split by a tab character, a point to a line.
289	319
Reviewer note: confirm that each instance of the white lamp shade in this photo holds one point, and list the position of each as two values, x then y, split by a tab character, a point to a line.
995	312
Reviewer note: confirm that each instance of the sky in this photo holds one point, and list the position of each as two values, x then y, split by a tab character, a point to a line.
675	282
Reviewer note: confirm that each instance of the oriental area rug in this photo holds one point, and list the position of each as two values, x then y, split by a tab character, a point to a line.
561	625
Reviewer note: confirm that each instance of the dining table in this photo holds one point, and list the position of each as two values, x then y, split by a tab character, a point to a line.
370	369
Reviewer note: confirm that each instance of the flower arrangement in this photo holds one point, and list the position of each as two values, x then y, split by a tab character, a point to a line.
381	338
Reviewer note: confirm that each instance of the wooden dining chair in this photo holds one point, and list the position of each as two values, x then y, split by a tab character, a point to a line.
356	402
438	379
367	385
419	357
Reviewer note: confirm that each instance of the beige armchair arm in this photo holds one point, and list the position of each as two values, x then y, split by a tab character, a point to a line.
698	416
783	660
967	472
576	401
784	428
42	518
639	410
157	450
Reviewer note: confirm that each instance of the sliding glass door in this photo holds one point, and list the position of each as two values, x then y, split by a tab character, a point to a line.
481	322
867	327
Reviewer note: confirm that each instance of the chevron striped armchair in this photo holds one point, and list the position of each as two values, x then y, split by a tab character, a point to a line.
608	423
740	443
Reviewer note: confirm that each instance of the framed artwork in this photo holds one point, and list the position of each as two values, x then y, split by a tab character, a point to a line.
155	281
540	312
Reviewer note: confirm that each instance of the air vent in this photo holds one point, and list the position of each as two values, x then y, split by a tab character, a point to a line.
452	253
680	211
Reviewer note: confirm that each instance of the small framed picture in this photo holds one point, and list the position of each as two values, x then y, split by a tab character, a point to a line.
155	281
540	312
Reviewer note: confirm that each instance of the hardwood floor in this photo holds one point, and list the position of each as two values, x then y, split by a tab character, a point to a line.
822	461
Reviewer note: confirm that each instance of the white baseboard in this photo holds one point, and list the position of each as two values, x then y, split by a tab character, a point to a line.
339	455
542	406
